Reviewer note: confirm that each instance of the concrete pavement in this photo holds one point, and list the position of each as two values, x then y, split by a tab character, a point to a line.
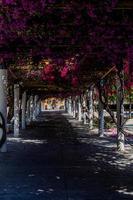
57	159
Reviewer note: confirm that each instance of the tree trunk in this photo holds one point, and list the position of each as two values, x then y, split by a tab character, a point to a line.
120	116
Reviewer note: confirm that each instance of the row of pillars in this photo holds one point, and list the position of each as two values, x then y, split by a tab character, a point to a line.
84	112
75	107
30	109
28	106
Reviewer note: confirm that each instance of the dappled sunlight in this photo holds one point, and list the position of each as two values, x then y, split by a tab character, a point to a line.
56	157
125	191
30	141
40	191
106	152
101	152
99	142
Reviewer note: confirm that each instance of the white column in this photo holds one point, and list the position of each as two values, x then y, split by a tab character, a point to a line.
39	107
84	117
3	101
90	98
74	108
31	108
101	119
28	112
66	105
35	107
69	109
79	109
85	114
16	110
37	99
84	109
23	119
70	106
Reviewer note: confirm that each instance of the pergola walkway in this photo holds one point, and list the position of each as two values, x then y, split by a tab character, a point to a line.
53	161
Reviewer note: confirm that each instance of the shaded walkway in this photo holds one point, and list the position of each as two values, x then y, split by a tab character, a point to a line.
52	161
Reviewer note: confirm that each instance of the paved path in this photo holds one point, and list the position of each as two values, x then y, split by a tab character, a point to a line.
53	161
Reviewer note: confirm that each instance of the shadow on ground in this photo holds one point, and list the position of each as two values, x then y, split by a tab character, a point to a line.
56	159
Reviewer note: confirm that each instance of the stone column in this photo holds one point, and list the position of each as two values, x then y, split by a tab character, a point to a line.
84	117
31	108
101	119
66	105
37	100
85	114
16	110
70	106
3	104
79	109
39	106
74	108
90	106
28	111
35	112
23	117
